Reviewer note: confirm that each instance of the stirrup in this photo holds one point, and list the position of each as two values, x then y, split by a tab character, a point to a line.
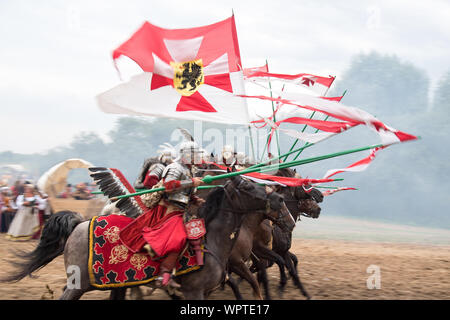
166	281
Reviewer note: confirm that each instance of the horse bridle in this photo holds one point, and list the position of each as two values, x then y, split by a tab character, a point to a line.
295	199
278	220
237	228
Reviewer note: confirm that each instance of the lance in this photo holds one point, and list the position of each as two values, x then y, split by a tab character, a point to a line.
276	166
209	179
144	191
329	187
224	176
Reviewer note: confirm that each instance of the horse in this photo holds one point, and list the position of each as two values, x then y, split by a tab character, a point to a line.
299	202
249	240
224	210
243	248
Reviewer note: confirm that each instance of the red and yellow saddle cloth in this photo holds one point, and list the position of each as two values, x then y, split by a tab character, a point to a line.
112	264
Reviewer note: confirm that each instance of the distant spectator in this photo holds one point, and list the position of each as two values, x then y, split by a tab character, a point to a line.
8	209
81	192
41	206
17	189
67	193
26	220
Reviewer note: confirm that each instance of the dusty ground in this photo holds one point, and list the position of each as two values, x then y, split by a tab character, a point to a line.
329	269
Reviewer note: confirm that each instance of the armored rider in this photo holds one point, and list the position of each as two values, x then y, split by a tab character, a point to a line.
161	230
228	155
152	169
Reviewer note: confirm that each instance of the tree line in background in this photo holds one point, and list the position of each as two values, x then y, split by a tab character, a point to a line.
405	184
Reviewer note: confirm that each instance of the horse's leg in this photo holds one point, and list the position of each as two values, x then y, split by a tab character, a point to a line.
76	254
265	253
193	295
294	259
118	294
136	293
197	285
242	270
174	296
262	278
71	294
234	286
294	274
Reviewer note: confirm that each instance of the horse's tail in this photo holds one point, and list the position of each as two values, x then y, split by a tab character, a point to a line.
53	239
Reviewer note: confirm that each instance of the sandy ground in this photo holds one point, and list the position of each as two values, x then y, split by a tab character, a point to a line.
329	269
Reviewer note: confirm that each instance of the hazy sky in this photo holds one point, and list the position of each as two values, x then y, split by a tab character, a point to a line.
55	56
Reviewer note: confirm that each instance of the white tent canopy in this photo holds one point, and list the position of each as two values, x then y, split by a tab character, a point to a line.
54	180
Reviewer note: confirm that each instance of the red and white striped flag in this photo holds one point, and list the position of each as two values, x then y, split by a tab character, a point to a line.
317	84
248	72
339	111
332	191
358	166
328	128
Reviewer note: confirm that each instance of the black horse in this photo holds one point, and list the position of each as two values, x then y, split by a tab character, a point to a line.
299	202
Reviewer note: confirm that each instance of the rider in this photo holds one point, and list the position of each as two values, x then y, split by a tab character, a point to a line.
161	230
153	168
228	155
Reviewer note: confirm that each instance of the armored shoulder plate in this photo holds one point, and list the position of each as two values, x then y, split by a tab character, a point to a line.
149	162
157	169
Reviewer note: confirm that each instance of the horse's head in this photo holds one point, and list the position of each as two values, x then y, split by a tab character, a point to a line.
248	196
308	201
302	199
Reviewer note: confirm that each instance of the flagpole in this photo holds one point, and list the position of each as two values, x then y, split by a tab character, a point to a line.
265	147
273	112
279	157
296	140
251	142
268	137
312	115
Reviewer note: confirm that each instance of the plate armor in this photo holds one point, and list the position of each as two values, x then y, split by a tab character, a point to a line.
180	172
150	167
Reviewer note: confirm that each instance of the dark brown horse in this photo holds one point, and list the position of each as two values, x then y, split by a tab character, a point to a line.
299	202
242	250
271	242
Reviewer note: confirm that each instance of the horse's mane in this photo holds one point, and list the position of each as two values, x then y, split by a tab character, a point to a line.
288	172
209	210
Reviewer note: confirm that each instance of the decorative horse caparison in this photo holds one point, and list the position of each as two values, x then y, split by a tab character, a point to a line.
66	233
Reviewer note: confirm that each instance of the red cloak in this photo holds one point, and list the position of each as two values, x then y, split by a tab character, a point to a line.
164	233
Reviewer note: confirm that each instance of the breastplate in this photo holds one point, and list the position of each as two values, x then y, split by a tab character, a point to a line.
177	171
